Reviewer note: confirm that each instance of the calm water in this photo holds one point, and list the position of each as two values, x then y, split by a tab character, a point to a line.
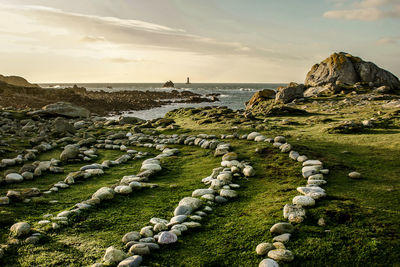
232	95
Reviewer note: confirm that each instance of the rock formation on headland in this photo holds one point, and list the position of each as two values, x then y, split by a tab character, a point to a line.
339	73
17	81
260	96
169	84
347	69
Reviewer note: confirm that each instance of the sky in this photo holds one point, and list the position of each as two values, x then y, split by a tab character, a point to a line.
255	41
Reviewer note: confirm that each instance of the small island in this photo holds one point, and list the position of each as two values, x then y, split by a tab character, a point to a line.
169	84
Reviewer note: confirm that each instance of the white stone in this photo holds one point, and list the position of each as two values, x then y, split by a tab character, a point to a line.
14	178
303	201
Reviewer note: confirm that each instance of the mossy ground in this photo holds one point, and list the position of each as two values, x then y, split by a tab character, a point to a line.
361	215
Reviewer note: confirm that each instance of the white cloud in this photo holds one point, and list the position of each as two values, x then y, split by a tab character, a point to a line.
388	40
122	31
367	10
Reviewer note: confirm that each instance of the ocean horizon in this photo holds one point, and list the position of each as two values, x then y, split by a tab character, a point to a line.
231	95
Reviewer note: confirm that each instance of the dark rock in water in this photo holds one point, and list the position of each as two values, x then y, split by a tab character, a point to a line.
169	84
260	96
345	68
289	93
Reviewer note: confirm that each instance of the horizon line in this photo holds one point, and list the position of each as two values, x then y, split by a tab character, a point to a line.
159	82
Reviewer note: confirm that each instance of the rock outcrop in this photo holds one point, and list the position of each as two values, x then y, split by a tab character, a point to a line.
169	84
17	81
64	109
343	68
260	96
289	93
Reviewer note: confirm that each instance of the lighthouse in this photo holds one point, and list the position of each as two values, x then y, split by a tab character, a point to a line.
187	80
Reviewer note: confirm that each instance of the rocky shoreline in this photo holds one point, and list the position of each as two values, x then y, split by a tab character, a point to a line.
73	177
99	102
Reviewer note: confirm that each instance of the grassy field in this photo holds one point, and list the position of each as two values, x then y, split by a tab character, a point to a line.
361	215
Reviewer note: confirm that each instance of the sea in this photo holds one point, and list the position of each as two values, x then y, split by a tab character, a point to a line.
231	95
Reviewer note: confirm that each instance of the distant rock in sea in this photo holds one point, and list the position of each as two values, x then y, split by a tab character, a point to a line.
17	81
343	68
169	84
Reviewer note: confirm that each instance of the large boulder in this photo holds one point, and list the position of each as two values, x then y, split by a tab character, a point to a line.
65	109
259	96
289	93
69	152
347	69
326	90
62	126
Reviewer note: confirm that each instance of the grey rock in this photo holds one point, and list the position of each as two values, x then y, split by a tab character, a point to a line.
167	238
113	255
263	248
294	155
268	263
303	201
345	68
14	178
355	175
182	210
139	249
133	261
178	219
281	255
228	193
282	228
131	236
282	238
313	191
69	152
158	220
289	93
248	171
220	199
194	203
64	109
201	192
104	193
20	229
294	213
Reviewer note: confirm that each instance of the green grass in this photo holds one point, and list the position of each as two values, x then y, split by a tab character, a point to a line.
361	215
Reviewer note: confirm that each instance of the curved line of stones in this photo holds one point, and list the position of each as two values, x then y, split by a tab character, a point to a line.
85	172
164	232
293	212
149	168
39	168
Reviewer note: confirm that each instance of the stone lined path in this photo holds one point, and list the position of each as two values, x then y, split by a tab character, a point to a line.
193	209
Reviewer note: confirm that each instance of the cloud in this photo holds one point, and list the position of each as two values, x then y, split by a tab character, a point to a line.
367	10
93	39
388	40
126	32
135	34
124	60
